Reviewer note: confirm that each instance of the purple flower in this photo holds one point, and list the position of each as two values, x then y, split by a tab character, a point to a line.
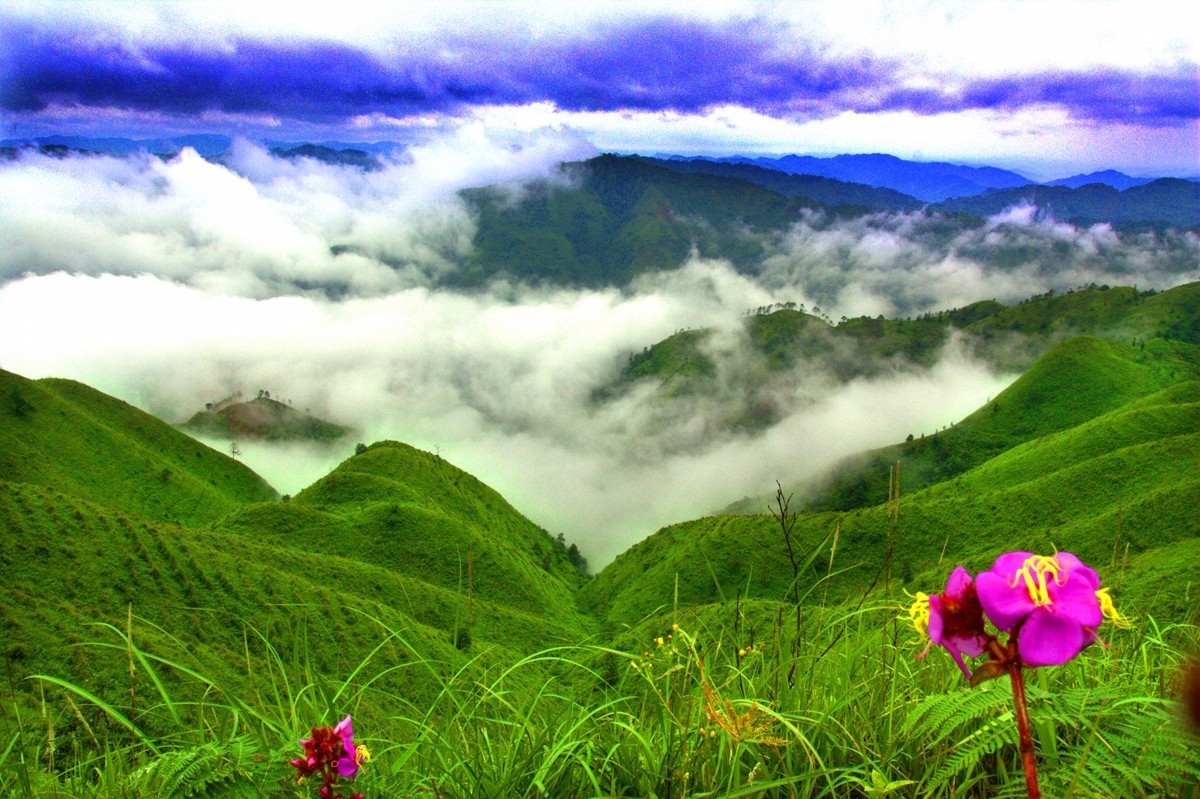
347	764
952	619
1053	604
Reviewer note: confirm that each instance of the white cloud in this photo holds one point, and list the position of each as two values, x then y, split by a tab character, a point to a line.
266	225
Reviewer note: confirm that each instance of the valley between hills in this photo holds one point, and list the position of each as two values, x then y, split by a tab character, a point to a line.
156	588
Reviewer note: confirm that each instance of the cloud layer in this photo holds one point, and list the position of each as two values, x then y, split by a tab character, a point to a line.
260	225
666	64
906	264
173	283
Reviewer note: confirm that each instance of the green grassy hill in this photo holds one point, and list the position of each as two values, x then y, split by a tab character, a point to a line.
196	595
1115	464
64	435
1072	383
415	514
107	515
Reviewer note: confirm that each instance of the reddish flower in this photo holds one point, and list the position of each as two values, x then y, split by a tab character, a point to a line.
952	619
330	752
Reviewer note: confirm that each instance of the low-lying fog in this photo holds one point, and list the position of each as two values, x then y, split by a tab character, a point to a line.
175	283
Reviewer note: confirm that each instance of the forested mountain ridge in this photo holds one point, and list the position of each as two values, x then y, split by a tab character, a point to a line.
1159	204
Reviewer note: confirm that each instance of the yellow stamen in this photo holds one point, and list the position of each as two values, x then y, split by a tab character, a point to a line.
1034	572
918	611
362	754
1110	610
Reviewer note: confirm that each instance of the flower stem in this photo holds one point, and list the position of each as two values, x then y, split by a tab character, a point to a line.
1027	758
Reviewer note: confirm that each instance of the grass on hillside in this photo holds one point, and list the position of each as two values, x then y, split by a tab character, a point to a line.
63	434
1078	380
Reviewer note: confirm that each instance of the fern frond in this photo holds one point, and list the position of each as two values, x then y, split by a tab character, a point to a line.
937	716
208	770
1134	747
990	738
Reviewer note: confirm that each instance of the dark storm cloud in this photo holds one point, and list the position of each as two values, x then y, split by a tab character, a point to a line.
660	64
1105	95
319	82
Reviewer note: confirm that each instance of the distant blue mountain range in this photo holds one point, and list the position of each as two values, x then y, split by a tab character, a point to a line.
206	144
931	182
1109	177
790	175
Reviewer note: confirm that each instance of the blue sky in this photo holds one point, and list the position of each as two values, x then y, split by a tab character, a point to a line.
1046	86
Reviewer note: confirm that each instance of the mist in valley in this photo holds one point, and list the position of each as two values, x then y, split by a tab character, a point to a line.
175	282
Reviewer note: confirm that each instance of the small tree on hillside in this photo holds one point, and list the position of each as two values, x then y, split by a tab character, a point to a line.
577	559
18	404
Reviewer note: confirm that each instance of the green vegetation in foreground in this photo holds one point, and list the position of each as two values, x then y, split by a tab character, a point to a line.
146	658
731	700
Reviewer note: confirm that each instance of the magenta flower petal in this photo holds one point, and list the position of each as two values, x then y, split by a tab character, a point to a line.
1050	639
971	646
953	619
1005	604
344	729
1010	562
958	658
1076	599
959	582
1071	564
936	624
